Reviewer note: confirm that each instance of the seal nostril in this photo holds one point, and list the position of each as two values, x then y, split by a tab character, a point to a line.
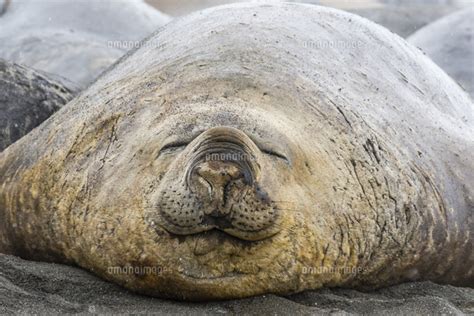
218	174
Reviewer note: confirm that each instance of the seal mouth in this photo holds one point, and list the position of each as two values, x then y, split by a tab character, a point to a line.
218	224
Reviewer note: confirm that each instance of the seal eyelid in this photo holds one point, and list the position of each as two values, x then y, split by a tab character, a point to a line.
272	148
178	144
275	154
172	146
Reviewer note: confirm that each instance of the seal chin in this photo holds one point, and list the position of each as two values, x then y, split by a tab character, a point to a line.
215	254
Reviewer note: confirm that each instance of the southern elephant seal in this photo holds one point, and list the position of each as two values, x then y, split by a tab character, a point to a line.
74	39
449	42
249	156
27	98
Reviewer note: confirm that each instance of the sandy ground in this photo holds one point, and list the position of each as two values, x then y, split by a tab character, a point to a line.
40	288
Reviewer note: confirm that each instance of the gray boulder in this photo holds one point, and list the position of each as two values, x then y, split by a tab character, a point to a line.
400	16
3	6
405	17
449	42
74	39
27	98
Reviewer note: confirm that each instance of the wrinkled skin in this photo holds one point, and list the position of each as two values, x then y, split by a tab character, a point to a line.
350	167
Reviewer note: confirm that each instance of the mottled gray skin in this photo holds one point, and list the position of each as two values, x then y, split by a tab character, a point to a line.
27	98
352	162
74	39
449	42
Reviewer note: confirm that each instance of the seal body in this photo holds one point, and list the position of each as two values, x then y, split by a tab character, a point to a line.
449	43
27	98
250	156
76	40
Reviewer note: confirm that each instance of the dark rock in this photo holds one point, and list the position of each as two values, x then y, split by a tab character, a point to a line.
27	98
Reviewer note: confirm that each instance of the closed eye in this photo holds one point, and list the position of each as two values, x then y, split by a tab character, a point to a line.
275	154
171	147
179	145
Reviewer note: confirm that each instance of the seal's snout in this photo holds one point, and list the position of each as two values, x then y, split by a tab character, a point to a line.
218	174
212	180
214	184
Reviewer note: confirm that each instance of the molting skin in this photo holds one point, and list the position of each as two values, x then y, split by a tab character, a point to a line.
233	170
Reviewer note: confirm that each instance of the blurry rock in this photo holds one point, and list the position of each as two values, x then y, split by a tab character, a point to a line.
28	287
405	17
400	16
3	6
182	7
74	39
27	98
450	43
